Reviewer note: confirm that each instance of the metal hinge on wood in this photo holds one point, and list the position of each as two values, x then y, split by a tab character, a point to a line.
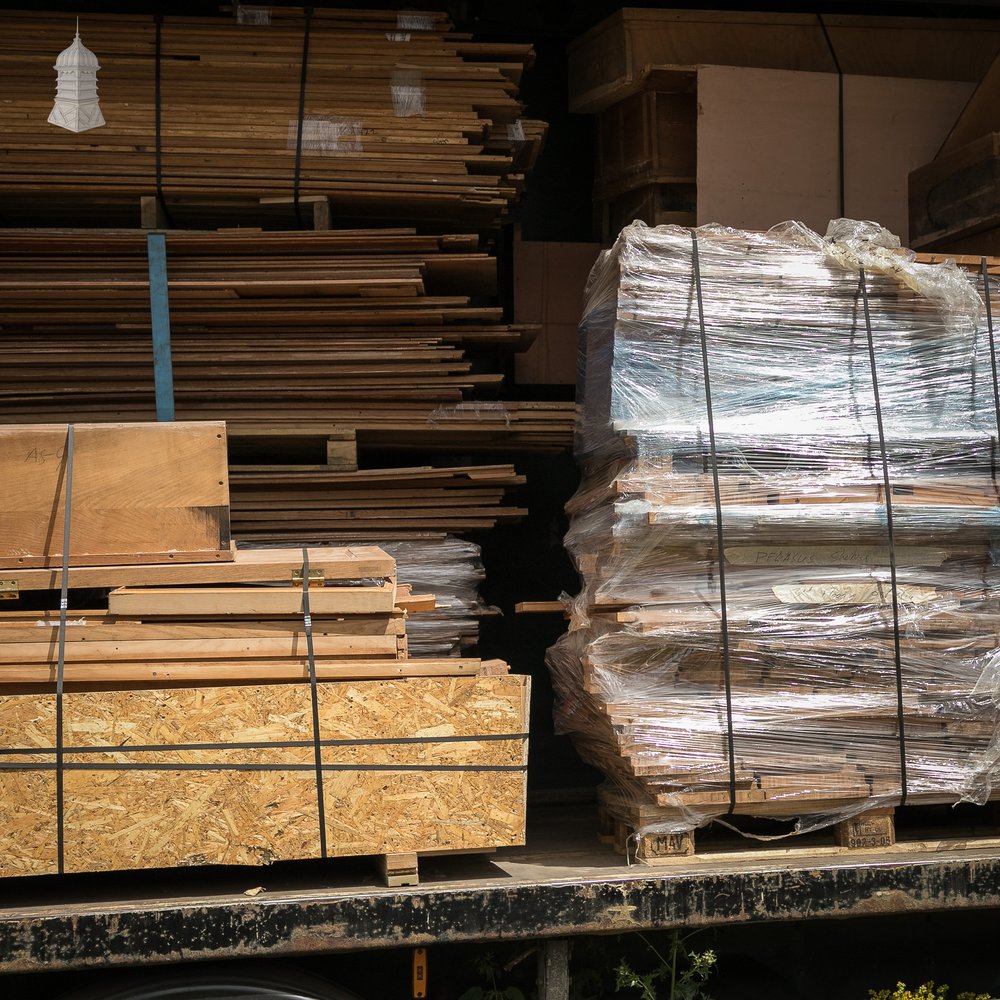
317	578
9	590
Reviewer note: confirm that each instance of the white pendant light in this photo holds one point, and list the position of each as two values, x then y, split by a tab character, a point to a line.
76	106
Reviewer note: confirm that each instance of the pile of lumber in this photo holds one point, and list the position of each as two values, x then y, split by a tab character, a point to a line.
412	122
315	504
243	710
280	334
734	645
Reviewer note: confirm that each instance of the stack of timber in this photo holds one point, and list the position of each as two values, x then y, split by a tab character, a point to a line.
780	618
955	199
180	726
382	331
315	504
414	123
732	117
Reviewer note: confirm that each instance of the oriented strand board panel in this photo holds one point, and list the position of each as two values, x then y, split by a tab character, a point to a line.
140	493
158	778
768	148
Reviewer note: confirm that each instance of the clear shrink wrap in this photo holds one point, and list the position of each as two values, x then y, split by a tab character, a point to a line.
790	608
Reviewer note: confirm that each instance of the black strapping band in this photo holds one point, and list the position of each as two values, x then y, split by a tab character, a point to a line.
840	112
993	350
900	715
228	766
61	662
314	693
268	745
720	541
302	111
158	117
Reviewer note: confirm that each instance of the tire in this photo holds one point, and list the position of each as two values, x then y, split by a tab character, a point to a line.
273	983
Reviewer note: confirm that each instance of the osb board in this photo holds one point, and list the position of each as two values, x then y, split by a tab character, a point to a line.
140	493
129	806
768	147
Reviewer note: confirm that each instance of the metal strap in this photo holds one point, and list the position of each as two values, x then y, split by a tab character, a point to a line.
887	488
159	311
317	745
61	660
158	20
720	541
302	110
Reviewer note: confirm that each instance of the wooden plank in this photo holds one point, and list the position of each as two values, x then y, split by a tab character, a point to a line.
398	776
247	566
142	674
140	491
144	602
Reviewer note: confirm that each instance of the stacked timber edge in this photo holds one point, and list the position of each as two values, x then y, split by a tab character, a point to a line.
240	710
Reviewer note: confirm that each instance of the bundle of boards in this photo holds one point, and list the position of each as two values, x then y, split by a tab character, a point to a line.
226	706
384	122
365	329
785	529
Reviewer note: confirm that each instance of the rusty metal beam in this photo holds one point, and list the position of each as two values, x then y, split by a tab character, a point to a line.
310	921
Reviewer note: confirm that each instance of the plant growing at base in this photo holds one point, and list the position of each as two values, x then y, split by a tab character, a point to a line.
684	972
928	991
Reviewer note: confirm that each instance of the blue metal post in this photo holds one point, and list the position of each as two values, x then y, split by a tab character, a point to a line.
159	309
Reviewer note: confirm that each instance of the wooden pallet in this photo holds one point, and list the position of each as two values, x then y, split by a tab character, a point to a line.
872	832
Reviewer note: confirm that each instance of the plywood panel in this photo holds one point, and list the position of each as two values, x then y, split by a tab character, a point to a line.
226	775
140	491
767	147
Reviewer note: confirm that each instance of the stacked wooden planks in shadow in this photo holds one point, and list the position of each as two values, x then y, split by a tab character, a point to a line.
781	617
412	122
257	707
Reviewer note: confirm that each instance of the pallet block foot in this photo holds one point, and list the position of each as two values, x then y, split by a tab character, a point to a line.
342	449
665	845
605	826
151	214
872	829
399	870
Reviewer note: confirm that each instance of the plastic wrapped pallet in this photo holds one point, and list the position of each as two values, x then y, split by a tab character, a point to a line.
785	529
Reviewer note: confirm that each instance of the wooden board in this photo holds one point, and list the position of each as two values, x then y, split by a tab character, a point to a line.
247	566
140	493
212	602
402	772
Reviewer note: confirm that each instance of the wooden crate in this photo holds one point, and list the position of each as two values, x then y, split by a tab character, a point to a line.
955	200
608	63
226	775
647	138
140	493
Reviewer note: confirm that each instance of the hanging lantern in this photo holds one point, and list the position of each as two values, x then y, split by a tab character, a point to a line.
76	105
